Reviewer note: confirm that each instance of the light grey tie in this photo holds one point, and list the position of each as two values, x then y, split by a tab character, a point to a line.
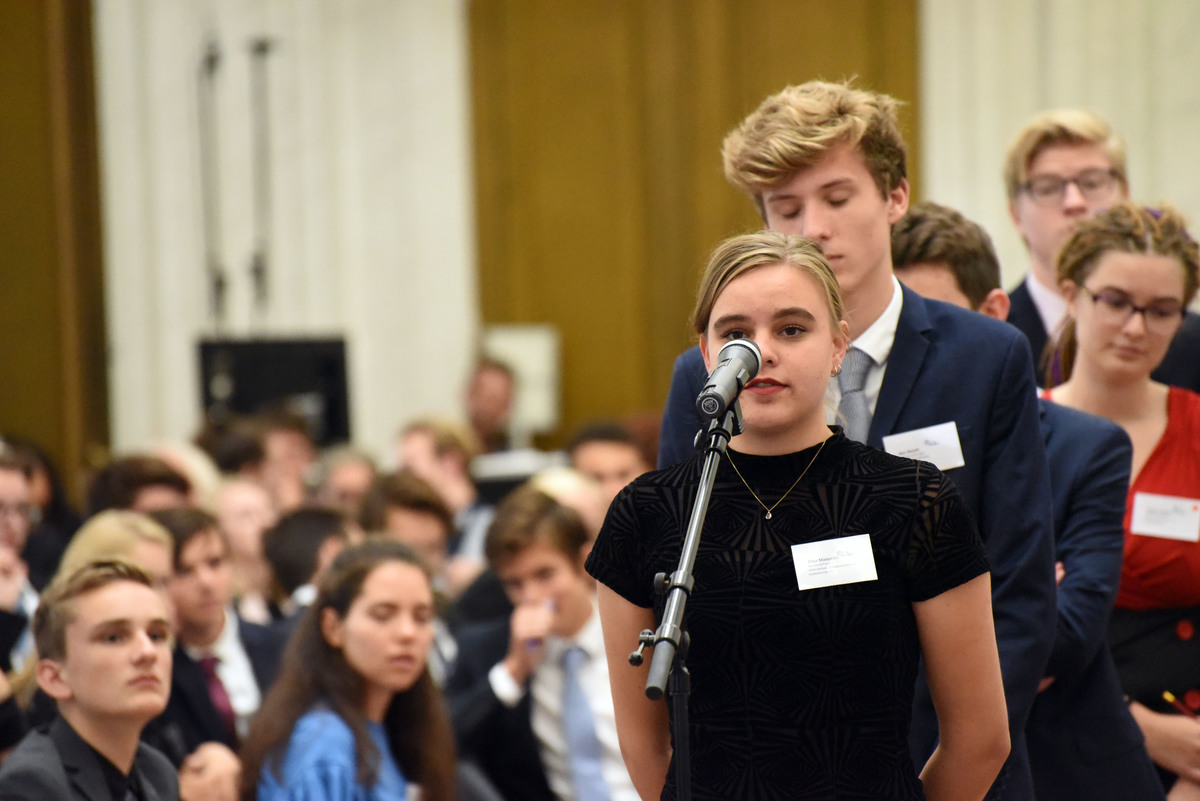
583	747
853	410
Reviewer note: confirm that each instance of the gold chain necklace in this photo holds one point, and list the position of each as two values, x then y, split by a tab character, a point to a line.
771	508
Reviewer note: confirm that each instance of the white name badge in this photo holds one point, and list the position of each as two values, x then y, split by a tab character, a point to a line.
1166	516
828	563
937	444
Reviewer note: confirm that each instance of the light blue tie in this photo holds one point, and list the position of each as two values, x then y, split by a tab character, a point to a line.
583	747
853	410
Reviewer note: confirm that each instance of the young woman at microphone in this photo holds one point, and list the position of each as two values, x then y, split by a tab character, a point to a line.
826	569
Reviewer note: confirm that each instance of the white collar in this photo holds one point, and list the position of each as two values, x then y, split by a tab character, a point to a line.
877	340
590	638
225	642
1050	305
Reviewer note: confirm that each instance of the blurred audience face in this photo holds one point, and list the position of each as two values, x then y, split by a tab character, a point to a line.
611	464
417	453
244	511
422	531
202	587
289	451
41	488
288	455
346	485
16	509
118	655
387	631
542	575
489	401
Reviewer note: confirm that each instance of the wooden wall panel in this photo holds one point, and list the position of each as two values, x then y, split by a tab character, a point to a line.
598	126
52	353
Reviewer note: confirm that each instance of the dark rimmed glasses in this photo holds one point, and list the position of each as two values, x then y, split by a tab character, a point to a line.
1115	308
1049	190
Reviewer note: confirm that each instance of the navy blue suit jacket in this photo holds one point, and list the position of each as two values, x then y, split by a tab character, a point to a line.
497	738
1024	315
190	718
1179	368
951	364
1083	743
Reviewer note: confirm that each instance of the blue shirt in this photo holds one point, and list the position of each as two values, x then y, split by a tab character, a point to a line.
319	765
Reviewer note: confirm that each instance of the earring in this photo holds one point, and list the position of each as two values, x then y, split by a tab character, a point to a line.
836	371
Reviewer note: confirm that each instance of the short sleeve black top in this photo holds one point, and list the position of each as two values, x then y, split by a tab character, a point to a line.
796	694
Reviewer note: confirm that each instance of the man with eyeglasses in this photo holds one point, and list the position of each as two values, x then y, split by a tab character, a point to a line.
18	598
1061	168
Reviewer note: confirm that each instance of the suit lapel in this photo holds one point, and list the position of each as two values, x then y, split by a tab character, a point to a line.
903	366
189	684
79	761
149	791
1024	315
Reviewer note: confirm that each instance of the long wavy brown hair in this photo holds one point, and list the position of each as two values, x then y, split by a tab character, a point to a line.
314	672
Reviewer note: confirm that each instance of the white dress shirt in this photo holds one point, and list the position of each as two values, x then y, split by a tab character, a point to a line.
877	343
234	670
546	690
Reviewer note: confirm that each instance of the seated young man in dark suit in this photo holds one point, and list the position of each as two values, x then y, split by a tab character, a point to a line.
1083	741
921	379
223	665
529	696
104	642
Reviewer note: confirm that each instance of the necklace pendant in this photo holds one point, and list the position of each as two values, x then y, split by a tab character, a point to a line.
768	514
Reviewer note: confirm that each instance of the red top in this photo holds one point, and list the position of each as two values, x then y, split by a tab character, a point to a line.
1157	572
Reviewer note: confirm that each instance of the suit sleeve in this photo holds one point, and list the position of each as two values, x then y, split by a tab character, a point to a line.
1090	545
472	703
676	439
1016	521
30	783
34	771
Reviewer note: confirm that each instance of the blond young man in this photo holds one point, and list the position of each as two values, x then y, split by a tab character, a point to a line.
827	161
104	642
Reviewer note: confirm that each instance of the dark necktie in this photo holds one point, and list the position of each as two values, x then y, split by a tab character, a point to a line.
219	696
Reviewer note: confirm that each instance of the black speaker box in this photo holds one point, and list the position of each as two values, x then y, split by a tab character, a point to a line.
306	376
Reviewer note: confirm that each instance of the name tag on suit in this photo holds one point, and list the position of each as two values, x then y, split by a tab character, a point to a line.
829	563
937	444
1167	516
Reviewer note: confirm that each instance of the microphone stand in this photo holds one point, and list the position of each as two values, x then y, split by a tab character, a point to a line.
670	641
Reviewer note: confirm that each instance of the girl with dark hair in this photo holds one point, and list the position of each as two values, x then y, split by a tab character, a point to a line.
354	713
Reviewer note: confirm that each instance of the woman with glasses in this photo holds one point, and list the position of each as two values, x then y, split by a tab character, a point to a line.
1128	275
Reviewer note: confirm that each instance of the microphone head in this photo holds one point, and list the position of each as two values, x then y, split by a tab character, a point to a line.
742	348
738	361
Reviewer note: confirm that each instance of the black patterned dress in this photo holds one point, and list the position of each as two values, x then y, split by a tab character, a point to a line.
797	694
